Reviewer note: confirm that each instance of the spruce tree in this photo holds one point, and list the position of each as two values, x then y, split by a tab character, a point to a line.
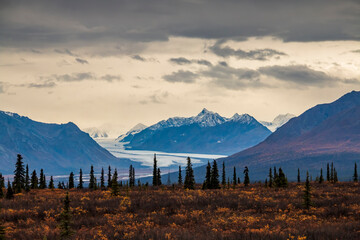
51	183
60	186
133	176
275	179
92	184
281	179
34	180
114	184
102	179
189	182
65	219
214	182
42	183
71	181
180	181
2	181
307	192
355	176
335	176
130	176
155	172
1	193
298	176
81	182
270	178
332	173
19	175
159	177
27	179
207	182
327	173
223	177
109	177
9	192
321	179
246	177
234	176
239	180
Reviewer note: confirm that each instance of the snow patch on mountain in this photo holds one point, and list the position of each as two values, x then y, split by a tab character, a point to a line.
134	130
96	133
278	121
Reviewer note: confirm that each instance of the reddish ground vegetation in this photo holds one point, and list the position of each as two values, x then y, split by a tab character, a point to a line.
254	212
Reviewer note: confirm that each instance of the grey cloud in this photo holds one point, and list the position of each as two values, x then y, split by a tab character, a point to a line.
258	54
36	51
82	61
157	98
233	78
301	75
65	51
138	57
356	51
180	61
185	61
75	77
181	76
2	88
111	78
39	23
42	85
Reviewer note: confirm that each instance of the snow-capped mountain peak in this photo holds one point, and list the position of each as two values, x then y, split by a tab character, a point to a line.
207	118
134	130
243	118
137	127
278	121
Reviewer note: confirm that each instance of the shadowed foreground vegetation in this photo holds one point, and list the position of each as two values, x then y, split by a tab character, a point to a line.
252	212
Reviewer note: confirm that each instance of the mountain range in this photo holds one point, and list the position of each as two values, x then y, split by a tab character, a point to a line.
207	132
96	133
323	134
58	148
278	121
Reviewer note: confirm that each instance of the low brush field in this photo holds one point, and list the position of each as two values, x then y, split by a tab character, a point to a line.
252	212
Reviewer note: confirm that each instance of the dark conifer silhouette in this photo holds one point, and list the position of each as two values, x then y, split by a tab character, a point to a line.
71	181
19	175
321	179
223	177
92	181
355	176
281	180
109	177
34	180
246	177
207	182
81	182
158	177
271	181
189	182
307	192
9	192
335	176
215	184
180	181
102	179
332	173
234	176
65	219
114	184
298	176
27	179
327	173
51	183
155	172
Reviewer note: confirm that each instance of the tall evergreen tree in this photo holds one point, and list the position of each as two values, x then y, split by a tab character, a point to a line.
180	181
114	184
234	176
307	192
223	177
215	183
19	175
65	219
239	180
81	181
109	177
246	177
102	179
51	183
281	180
332	173
335	176
321	179
155	172
1	195
71	181
298	176
327	173
9	192
92	184
189	182
270	178
42	179
158	177
355	176
2	181
27	179
207	182
131	176
34	180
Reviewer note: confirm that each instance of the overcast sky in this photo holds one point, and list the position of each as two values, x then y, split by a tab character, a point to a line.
114	64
